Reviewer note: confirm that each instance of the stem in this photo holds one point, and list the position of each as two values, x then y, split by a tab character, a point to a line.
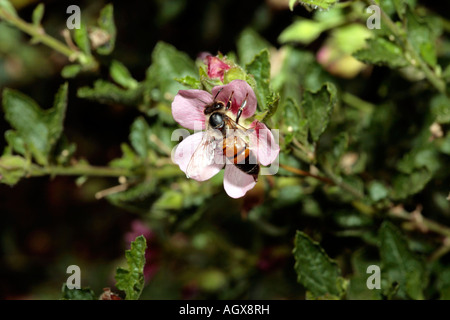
38	34
80	170
305	173
404	42
424	222
357	102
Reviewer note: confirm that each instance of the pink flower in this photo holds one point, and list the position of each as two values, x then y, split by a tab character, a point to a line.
216	67
188	110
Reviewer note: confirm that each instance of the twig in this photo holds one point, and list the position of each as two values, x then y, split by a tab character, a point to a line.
305	173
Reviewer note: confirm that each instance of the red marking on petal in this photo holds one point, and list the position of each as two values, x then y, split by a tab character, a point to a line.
241	89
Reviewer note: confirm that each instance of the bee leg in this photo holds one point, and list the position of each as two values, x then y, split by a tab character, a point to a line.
244	103
228	106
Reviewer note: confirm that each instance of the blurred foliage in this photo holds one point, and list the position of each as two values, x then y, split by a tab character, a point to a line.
363	116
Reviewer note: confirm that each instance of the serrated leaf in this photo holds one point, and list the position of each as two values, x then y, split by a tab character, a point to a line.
81	38
422	37
190	82
169	64
109	93
405	185
12	169
313	4
315	270
259	68
39	129
107	24
121	75
318	107
140	137
380	51
77	294
400	264
37	15
131	280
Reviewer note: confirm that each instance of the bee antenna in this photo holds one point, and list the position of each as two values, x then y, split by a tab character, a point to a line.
218	93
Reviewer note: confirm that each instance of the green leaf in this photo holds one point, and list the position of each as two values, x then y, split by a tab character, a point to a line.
440	108
57	114
120	74
15	142
306	31
249	44
315	270
12	169
140	137
37	15
131	280
443	284
318	107
313	4
106	23
109	93
77	294
71	71
377	191
39	129
399	264
169	64
405	185
400	6
190	82
380	51
7	7
422	37
259	68
169	200
302	31
296	126
81	38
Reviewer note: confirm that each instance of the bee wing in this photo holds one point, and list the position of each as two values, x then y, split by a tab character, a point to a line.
207	159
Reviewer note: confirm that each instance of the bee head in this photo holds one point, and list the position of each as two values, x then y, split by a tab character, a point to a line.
216	120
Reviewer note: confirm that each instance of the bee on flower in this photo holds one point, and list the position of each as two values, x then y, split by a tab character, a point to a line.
223	141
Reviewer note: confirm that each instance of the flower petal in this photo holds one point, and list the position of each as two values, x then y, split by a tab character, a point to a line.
240	89
264	143
184	152
236	182
216	67
188	106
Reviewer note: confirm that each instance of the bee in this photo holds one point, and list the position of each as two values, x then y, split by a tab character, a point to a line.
224	137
